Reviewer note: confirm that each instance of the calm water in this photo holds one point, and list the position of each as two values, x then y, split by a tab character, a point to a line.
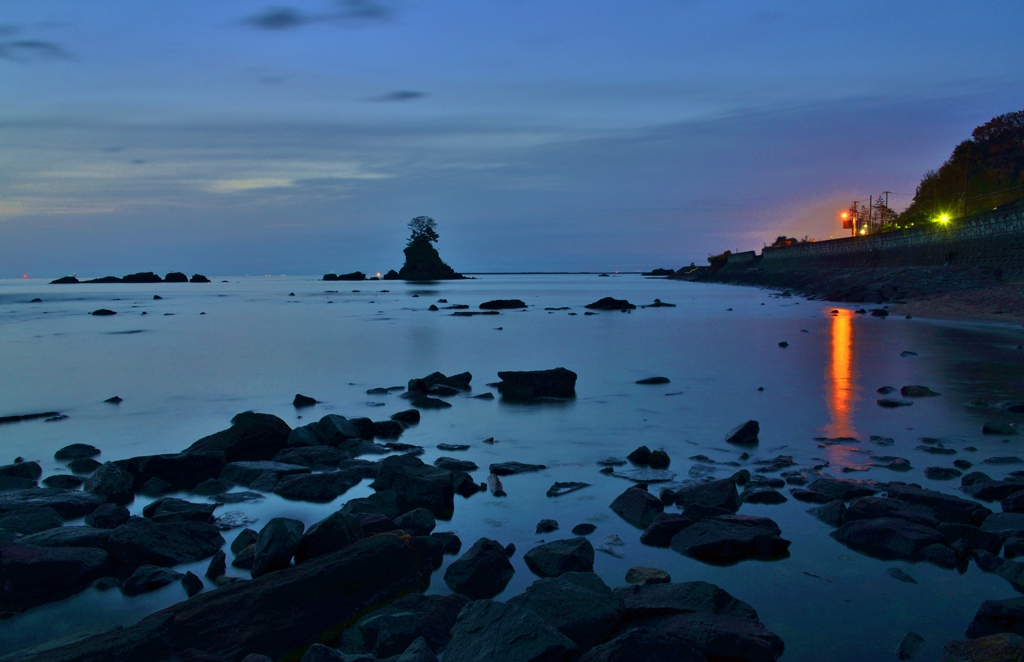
183	375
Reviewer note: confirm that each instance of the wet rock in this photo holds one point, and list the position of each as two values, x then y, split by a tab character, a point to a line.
36	575
149	578
661	531
900	576
502	304
653	380
424	402
407	417
453	464
311	456
329	535
892	403
879	507
728	539
453	447
416	485
84	465
703	616
245	473
450	543
276	545
643	576
659	460
1013	503
716	494
217	566
432	619
546	526
832	513
245	538
182	471
169	509
419	521
192	584
108	516
103	312
510	550
112	483
887	538
577	604
584	529
491	630
143	542
384	502
997	616
558	489
765	495
513	468
641	455
251	437
482	572
237	497
972	536
745	434
995	427
1004	524
917	392
301	401
947	508
656	647
528	385
30	520
68	536
388	429
882	441
886	390
317	488
69	504
212	487
845	488
560	556
76	451
909	645
63	482
993	648
464	485
891	462
638	507
941	473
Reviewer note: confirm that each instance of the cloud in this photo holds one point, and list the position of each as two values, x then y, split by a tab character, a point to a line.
31	50
348	12
400	95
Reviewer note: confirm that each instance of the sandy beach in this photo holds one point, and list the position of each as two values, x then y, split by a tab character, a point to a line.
1000	302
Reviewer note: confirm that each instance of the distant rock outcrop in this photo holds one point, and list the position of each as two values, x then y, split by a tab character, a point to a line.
355	275
175	277
422	261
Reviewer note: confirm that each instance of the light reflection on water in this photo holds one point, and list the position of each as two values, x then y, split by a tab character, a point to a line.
186	375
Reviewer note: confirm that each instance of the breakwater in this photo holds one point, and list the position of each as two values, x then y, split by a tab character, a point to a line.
891	266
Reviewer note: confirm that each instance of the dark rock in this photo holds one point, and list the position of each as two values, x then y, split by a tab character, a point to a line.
491	630
545	526
641	455
997	616
64	280
433	619
717	494
993	648
192	584
149	578
276	545
900	576
527	385
419	521
656	647
947	508
879	507
213	487
181	471
355	275
453	464
388	429
84	465
703	616
555	558
638	507
482	572
892	403
311	456
68	536
833	513
745	434
303	401
995	427
176	277
464	485
374	523
560	488
63	482
251	437
512	468
917	392
422	262
16	484
244	473
384	502
450	543
245	538
113	483
69	504
661	531
108	516
887	538
940	555
453	447
608	303
577	604
76	451
643	576
424	402
653	380
329	535
728	539
103	312
1004	524
764	495
909	645
584	529
36	575
502	304
845	488
1013	503
199	278
30	520
416	484
317	488
143	542
169	509
218	565
974	537
27	470
659	460
407	417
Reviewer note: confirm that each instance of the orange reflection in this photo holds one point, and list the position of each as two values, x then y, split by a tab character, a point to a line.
840	386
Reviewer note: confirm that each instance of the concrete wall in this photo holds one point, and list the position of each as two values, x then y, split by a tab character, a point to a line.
985	240
740	261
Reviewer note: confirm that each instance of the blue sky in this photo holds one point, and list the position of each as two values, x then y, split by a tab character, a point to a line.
237	137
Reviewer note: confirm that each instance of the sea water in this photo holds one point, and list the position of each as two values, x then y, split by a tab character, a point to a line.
205	352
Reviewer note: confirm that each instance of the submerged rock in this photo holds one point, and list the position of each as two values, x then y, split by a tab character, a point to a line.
532	384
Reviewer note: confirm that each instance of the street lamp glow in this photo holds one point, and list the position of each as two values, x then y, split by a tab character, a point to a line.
942	218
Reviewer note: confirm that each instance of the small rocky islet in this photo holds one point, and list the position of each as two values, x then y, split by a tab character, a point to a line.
380	551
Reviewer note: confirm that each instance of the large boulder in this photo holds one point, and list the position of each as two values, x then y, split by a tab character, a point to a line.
69	504
384	502
556	558
28	470
179	471
654	646
488	630
170	509
482	572
716	494
143	542
997	616
311	456
108	516
31	575
335	430
334	532
149	578
887	538
702	616
661	532
845	489
317	488
251	436
29	521
982	487
69	536
728	539
638	507
878	507
76	451
433	617
272	615
611	303
276	545
577	604
947	508
530	384
417	485
745	434
111	482
245	473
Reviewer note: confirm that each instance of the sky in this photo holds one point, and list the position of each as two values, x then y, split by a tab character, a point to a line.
236	137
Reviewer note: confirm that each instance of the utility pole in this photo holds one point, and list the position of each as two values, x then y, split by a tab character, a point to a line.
871	213
856	213
886	209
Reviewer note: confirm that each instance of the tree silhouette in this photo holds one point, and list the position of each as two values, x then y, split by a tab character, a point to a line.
424	229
